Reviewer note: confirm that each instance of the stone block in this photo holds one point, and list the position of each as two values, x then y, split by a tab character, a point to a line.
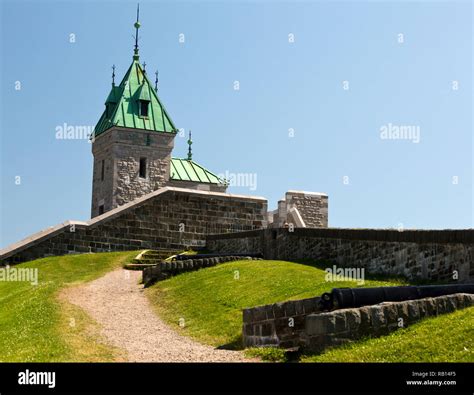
199	262
340	325
247	315
451	304
248	330
320	324
269	312
282	325
365	321
353	320
266	329
468	300
299	309
413	311
278	310
290	310
390	312
431	307
422	308
377	316
259	313
441	304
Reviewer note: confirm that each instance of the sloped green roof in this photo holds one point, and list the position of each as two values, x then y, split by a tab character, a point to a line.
124	107
187	170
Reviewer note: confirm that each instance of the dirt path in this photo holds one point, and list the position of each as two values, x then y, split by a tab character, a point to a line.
117	302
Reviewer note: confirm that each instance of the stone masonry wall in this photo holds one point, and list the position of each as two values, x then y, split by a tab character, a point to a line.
301	324
121	149
170	218
341	326
279	324
435	255
313	207
236	243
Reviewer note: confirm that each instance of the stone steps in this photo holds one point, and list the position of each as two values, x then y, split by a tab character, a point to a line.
149	258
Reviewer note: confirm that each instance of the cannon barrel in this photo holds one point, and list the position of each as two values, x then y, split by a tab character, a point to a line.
341	298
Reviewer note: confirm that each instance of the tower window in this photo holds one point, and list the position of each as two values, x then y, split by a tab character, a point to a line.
102	170
101	209
144	108
142	171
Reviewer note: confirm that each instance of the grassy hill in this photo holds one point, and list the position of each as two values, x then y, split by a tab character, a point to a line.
37	326
210	301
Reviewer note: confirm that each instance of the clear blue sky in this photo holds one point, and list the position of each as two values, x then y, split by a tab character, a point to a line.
283	85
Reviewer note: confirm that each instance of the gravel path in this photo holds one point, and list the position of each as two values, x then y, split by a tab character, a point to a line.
117	302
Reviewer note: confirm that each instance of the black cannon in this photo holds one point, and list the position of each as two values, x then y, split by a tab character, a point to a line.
181	257
341	298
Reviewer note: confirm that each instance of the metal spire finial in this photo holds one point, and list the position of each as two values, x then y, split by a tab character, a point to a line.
113	75
156	81
144	66
137	26
190	142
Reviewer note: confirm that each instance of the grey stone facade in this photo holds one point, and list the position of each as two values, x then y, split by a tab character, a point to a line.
169	218
435	255
301	209
313	207
120	150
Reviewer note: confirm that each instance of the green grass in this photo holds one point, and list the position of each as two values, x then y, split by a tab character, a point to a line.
447	338
209	302
35	325
267	354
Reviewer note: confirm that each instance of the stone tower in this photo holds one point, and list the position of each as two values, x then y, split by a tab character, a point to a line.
132	144
132	141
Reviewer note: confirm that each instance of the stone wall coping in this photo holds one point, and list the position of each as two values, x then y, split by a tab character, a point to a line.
421	236
36	237
123	129
53	230
293	192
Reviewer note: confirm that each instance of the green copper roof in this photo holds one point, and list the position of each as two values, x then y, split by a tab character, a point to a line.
187	170
123	105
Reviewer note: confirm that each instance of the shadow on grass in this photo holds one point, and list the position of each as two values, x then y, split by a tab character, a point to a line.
235	345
